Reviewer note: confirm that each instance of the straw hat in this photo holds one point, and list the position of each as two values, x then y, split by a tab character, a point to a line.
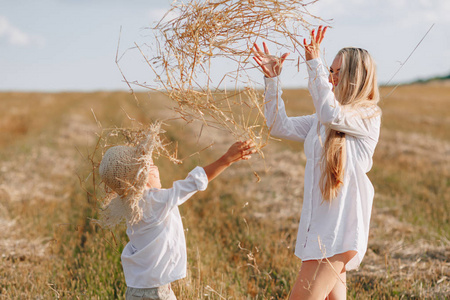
120	168
125	170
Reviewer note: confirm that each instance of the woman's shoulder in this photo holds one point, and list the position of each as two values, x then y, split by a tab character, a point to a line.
363	111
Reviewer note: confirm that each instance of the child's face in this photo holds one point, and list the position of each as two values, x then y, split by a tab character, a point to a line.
153	180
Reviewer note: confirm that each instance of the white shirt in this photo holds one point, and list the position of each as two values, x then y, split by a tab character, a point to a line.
156	253
326	228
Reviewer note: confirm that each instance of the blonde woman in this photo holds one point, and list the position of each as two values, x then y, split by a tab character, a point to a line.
339	141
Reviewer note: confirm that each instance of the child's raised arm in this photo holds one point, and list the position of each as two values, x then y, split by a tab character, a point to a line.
238	151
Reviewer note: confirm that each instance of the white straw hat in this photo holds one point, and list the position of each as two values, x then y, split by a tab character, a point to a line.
122	170
125	170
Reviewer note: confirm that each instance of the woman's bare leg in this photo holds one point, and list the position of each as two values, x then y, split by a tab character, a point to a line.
339	290
318	278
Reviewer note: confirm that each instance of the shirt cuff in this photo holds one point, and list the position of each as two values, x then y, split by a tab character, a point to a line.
315	68
273	84
271	80
200	178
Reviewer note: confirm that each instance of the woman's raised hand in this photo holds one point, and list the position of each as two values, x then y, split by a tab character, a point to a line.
312	50
270	65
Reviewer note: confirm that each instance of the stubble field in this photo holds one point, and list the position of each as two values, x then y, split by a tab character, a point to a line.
240	233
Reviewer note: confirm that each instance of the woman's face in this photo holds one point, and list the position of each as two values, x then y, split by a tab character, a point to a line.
333	78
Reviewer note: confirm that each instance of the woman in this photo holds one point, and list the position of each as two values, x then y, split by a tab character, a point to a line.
339	141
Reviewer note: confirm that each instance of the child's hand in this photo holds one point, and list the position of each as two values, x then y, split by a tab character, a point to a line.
239	151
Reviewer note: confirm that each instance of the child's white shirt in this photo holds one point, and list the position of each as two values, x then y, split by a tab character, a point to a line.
156	253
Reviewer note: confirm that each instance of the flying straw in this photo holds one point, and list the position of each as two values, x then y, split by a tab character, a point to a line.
188	46
402	64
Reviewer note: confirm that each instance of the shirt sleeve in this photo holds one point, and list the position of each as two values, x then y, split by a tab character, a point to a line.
329	111
182	190
279	124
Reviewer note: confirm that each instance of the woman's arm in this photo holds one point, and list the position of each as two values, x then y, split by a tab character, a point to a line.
325	102
329	111
279	124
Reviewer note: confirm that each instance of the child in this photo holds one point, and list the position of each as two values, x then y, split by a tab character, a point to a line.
156	253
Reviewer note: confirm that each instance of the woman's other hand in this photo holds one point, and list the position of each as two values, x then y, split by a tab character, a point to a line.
312	50
270	65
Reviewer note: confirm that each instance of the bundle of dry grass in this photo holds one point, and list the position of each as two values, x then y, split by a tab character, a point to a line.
189	46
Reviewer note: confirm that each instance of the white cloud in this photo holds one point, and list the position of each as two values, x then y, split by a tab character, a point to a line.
15	36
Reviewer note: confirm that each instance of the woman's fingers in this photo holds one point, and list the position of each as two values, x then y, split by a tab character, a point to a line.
316	38
260	63
258	50
270	65
312	49
266	49
283	58
321	34
258	60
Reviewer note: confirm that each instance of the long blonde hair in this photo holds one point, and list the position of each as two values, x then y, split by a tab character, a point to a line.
357	88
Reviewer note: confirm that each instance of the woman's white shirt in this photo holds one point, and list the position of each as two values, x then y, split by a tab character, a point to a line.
156	252
329	228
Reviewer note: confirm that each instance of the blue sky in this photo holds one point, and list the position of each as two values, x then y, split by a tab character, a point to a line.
70	45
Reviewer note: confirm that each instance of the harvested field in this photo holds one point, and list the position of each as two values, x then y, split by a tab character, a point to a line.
240	233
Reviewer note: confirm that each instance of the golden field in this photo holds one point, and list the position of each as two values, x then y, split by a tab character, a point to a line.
240	233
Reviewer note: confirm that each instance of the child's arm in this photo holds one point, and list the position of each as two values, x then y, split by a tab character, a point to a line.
197	179
238	151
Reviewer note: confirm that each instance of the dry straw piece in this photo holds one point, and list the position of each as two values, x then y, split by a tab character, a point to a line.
189	45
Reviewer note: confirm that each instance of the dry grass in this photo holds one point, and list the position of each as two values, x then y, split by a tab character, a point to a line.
240	233
195	38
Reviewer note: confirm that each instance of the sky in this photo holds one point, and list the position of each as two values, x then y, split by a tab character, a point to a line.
71	45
